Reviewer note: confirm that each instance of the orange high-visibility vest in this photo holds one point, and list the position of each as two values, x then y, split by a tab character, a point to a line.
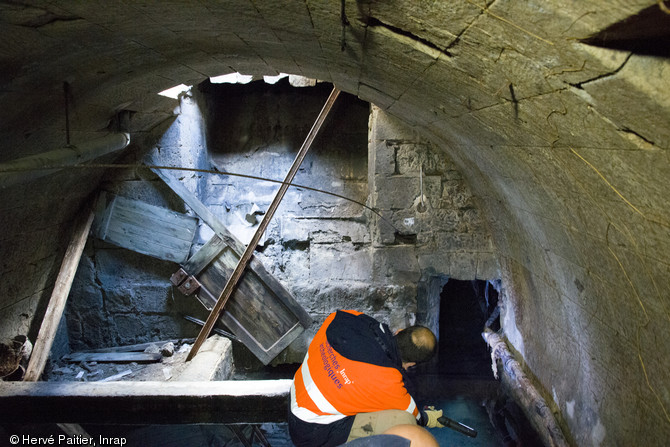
328	386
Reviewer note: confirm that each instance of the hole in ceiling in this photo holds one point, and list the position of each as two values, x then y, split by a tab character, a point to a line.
646	33
239	78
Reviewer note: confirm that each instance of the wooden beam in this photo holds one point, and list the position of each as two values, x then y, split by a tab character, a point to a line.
220	402
58	299
244	260
519	386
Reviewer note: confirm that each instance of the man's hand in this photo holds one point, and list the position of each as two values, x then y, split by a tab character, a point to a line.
433	416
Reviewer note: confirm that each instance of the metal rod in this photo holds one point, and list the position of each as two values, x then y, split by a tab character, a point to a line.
244	260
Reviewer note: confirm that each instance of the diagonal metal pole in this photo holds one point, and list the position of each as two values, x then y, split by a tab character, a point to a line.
246	256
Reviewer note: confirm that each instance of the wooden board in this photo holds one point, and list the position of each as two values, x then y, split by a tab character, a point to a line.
264	320
115	357
132	402
144	228
58	298
261	312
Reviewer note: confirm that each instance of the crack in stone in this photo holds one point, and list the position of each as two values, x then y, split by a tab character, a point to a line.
457	39
374	22
47	19
636	135
580	85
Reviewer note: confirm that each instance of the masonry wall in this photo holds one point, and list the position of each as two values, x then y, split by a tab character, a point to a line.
328	251
37	222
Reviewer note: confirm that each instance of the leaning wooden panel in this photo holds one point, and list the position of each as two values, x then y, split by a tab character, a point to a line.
263	319
266	333
144	228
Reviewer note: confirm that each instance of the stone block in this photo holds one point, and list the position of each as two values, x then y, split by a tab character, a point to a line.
396	192
334	231
293	229
411	157
487	266
214	361
295	265
127	329
315	205
322	298
385	229
382	157
89	329
339	262
463	266
151	298
453	241
118	300
119	266
435	262
397	262
378	301
384	126
85	293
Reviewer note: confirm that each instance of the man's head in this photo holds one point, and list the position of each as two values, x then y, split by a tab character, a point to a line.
416	344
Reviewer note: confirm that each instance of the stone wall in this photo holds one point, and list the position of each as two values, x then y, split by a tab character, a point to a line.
423	241
369	247
120	297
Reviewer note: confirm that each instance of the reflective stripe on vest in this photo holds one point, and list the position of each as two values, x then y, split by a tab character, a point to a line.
318	399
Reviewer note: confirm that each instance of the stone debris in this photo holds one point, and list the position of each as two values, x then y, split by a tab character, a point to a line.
167	349
170	365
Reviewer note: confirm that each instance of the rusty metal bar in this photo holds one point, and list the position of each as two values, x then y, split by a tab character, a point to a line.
244	260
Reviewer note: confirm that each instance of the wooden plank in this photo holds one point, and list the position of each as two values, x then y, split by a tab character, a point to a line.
103	212
139	347
113	357
146	229
59	295
174	225
205	255
261	320
132	402
196	205
226	247
246	257
116	377
221	231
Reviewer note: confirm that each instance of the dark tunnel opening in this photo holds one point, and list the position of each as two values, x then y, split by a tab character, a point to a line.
465	307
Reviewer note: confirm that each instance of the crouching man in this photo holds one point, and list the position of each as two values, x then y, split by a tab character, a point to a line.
352	382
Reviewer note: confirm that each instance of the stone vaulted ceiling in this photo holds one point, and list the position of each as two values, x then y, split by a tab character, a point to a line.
564	144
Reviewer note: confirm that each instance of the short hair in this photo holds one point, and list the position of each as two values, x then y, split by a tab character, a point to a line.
416	344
